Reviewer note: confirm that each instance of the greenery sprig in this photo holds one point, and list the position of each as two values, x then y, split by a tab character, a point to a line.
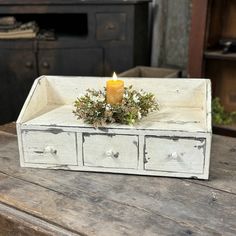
219	115
93	109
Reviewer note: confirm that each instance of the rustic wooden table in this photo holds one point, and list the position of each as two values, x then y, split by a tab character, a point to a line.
59	202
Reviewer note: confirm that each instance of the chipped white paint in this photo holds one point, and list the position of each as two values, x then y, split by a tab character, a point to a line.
48	147
111	151
182	154
174	141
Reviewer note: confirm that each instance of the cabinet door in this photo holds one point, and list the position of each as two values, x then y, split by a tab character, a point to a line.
18	71
71	61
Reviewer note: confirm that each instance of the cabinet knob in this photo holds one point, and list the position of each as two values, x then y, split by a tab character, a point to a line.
110	26
50	149
29	64
174	155
45	64
112	154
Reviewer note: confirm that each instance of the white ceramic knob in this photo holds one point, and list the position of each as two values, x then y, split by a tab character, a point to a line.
112	154
174	155
109	153
50	149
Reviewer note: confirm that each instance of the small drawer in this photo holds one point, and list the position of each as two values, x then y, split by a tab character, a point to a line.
179	154
111	151
111	26
49	147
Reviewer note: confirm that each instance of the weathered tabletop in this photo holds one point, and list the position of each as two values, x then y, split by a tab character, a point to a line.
56	202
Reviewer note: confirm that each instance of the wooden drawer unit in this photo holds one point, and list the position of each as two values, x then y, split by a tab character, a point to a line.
113	151
182	155
174	141
44	147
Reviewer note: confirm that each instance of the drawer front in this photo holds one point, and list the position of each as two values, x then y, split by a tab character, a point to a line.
175	154
76	61
111	26
111	151
49	148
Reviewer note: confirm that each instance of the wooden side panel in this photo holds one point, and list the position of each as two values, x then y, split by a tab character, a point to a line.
208	108
35	102
208	153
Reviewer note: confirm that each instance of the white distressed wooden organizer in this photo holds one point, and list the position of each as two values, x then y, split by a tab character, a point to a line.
174	141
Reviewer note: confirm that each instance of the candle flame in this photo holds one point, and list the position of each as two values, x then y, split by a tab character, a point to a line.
114	77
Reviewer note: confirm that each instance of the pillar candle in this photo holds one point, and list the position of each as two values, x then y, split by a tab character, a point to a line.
115	90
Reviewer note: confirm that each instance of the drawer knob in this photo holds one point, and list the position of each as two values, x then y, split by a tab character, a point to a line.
29	64
50	149
110	26
112	154
45	64
174	155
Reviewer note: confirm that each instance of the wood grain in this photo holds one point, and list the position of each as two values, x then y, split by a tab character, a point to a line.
16	222
115	204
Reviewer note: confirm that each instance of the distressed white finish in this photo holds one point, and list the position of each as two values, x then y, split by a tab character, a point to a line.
114	151
182	154
49	148
174	141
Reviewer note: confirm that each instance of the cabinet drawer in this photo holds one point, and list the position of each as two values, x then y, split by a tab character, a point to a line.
49	148
71	61
112	151
175	154
111	26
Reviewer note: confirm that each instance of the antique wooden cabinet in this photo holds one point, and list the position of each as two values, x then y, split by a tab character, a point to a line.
174	141
87	38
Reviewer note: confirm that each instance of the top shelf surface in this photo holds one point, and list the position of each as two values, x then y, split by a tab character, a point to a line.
178	118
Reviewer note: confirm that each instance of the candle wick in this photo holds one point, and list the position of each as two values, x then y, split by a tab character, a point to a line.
114	77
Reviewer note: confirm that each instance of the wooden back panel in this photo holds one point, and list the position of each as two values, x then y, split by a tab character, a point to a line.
49	92
168	92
